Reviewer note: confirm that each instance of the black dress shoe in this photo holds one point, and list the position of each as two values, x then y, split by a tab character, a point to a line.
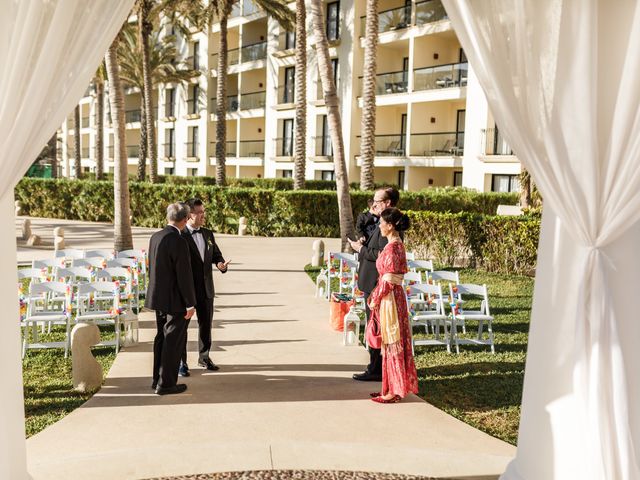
179	388
208	364
367	377
183	371
154	385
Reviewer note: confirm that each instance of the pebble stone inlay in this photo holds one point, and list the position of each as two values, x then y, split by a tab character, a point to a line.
296	475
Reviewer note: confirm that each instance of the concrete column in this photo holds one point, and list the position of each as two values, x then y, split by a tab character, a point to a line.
477	111
13	459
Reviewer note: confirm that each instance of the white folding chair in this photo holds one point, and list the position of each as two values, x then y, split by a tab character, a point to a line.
125	277
82	274
441	276
42	311
50	264
100	253
99	303
410	256
460	315
410	279
143	266
33	275
433	318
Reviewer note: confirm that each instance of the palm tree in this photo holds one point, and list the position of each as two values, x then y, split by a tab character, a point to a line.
301	95
162	53
122	222
334	121
279	10
76	142
368	124
98	80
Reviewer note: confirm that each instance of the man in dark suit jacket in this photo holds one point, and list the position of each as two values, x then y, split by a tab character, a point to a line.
368	252
171	294
204	255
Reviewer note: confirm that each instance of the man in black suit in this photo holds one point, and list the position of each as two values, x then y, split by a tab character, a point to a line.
368	252
171	294
204	254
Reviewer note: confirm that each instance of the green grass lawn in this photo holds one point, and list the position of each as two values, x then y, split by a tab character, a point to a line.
48	388
479	388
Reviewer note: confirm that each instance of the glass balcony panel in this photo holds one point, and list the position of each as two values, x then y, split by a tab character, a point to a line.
251	148
394	19
191	149
133	151
249	101
441	76
324	148
429	12
251	53
284	147
232	104
286	93
390	145
437	144
132	116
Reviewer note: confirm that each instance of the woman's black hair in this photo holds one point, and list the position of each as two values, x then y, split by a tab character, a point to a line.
396	218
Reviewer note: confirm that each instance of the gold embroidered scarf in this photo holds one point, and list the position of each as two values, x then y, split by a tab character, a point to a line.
389	324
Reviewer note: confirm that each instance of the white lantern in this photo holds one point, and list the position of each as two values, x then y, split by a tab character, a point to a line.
351	334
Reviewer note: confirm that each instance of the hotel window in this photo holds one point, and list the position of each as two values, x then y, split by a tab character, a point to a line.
457	179
170	102
193	101
505	183
333	21
328	175
287	137
289	40
287	173
289	84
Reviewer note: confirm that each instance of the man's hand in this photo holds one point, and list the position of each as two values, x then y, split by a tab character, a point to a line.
190	312
223	266
356	246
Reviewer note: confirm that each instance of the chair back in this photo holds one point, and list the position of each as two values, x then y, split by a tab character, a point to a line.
33	274
132	254
410	256
91	263
457	291
81	273
431	293
103	253
122	262
46	290
64	275
70	253
414	264
444	275
107	293
411	278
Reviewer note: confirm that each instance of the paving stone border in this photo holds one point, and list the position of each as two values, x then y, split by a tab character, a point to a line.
307	475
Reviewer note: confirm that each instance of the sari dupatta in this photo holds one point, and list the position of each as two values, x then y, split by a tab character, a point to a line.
389	323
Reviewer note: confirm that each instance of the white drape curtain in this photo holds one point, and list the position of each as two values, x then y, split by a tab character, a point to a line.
49	51
562	78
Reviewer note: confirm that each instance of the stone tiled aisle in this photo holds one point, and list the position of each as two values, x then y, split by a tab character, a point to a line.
283	399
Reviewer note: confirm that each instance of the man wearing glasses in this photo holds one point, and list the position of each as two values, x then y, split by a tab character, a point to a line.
368	252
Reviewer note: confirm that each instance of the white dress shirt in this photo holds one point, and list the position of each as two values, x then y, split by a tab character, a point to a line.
199	239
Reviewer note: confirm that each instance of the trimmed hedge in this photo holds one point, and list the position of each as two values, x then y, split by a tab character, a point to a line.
494	243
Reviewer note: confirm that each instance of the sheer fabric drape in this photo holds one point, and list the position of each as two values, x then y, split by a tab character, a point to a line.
562	78
49	50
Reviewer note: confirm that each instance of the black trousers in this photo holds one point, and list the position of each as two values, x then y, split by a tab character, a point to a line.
167	347
204	310
375	356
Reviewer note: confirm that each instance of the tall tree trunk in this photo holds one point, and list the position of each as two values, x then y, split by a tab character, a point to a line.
145	28
335	123
525	188
122	222
52	144
221	99
77	155
142	153
99	130
368	124
301	96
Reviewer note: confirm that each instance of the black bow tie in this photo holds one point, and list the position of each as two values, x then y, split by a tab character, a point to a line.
193	232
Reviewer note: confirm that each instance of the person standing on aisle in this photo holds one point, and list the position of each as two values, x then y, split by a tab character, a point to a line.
204	254
368	252
171	294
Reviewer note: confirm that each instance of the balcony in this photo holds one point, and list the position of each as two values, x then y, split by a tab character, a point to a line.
493	143
230	149
243	9
393	19
392	82
390	145
84	122
323	146
85	152
441	76
248	53
193	106
133	151
250	101
132	116
429	12
437	144
193	62
251	148
191	149
286	94
284	147
232	104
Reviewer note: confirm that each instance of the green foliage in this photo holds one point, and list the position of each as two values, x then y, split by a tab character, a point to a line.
494	243
274	210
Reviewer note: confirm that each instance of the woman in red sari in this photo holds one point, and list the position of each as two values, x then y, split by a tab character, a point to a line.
389	308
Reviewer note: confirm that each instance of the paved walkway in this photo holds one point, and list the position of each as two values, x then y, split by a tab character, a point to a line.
283	399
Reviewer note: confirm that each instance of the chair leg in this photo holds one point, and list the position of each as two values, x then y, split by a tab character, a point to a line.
490	330
67	342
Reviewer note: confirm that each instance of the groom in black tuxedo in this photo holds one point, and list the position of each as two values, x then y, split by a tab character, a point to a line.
171	294
204	254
